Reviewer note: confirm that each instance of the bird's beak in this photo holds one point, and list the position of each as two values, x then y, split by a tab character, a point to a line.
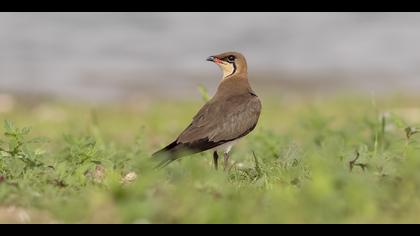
214	59
211	58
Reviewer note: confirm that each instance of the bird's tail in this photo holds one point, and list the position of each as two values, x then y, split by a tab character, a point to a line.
165	156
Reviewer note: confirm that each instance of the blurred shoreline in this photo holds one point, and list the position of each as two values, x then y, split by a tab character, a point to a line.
268	84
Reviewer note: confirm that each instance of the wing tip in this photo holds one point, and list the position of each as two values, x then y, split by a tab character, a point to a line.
165	155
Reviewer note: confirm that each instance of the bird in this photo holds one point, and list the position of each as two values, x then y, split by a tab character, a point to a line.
232	113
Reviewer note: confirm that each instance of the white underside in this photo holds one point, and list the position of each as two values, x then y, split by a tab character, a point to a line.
226	147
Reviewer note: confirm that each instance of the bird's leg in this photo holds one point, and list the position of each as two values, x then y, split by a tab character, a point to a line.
226	161
215	158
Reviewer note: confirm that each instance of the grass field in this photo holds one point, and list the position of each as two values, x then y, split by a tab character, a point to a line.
345	159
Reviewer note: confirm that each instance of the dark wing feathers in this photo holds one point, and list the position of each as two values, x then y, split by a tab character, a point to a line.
176	150
217	122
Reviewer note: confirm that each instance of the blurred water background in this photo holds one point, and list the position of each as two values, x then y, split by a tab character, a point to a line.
112	56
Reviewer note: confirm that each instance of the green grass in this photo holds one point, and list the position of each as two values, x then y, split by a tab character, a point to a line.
333	160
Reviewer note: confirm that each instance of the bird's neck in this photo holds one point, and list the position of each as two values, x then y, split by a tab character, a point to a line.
235	84
234	71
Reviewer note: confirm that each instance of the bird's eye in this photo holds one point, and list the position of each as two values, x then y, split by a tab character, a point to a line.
231	58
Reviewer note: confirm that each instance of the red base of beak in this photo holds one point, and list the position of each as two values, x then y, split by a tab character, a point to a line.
217	61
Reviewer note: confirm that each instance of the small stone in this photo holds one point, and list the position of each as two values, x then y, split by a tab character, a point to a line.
99	173
130	177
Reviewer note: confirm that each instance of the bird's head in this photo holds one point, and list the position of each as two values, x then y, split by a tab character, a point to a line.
231	63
